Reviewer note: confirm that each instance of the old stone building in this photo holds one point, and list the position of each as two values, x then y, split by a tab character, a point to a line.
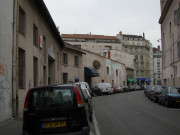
170	41
142	51
37	48
157	63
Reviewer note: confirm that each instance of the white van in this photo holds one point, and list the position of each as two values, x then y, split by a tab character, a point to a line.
105	87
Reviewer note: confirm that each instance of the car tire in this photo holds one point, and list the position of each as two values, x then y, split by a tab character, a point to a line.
167	104
90	118
154	99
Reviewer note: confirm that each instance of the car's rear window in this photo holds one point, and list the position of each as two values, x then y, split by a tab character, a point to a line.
175	91
54	98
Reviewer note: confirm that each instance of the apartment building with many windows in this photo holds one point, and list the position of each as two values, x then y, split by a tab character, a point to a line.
170	41
157	64
141	49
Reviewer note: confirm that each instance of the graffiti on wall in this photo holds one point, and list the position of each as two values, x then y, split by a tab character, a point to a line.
4	82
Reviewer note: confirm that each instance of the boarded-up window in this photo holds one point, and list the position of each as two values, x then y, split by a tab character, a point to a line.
76	61
65	58
21	69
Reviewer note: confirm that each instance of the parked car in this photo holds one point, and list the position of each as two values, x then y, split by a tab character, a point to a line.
148	88
125	88
97	91
170	96
156	91
115	90
105	87
130	88
120	89
85	85
56	109
137	87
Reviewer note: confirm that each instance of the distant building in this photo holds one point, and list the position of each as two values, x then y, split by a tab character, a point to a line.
157	62
170	41
106	46
142	51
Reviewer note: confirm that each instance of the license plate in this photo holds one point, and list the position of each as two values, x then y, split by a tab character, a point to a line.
54	124
178	101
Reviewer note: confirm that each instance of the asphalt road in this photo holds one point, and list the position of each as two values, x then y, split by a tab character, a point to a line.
134	114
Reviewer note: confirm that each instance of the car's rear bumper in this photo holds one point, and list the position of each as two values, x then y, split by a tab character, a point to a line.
84	131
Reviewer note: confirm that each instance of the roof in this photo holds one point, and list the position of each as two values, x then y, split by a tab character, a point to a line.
87	36
45	13
72	47
165	11
132	36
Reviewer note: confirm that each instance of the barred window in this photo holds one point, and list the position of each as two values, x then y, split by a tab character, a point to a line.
76	61
21	21
35	35
21	69
35	70
65	58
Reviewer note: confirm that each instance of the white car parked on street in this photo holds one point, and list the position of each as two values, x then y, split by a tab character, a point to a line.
105	87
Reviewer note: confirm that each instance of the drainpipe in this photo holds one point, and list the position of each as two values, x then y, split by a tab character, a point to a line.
15	61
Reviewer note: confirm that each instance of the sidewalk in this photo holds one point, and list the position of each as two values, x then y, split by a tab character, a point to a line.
11	126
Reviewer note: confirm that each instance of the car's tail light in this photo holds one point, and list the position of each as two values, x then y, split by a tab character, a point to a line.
157	93
26	101
170	97
78	97
91	90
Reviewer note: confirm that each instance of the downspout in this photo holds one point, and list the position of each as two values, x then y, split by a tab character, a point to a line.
15	62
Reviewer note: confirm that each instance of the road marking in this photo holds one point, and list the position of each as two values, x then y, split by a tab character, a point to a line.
96	125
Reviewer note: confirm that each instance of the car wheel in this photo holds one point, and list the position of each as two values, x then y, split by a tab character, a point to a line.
154	99
90	118
167	104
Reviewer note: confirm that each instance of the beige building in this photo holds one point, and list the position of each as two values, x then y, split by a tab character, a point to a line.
106	46
141	49
101	69
37	47
170	40
157	62
71	64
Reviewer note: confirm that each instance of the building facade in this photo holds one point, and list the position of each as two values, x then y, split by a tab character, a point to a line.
106	46
170	41
71	64
157	62
6	44
142	51
36	50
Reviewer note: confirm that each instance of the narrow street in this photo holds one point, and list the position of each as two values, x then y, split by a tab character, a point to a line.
134	114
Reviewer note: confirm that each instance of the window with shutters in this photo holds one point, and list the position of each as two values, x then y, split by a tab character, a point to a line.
35	35
35	70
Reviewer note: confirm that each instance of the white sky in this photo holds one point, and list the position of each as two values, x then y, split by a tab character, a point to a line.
107	17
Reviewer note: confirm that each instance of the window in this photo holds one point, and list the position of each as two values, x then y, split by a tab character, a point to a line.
107	70
131	49
44	75
178	50
141	57
65	78
116	72
35	70
137	73
76	61
44	49
136	57
21	69
136	49
170	29
35	35
126	49
137	65
108	47
65	58
21	21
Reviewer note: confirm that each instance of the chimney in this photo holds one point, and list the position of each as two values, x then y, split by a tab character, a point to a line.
143	35
120	33
90	35
109	55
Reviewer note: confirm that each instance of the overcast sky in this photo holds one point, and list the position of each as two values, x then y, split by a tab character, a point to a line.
107	17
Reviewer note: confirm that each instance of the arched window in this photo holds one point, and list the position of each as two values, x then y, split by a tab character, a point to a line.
107	70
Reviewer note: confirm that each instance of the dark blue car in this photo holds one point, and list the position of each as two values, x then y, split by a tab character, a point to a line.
170	96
